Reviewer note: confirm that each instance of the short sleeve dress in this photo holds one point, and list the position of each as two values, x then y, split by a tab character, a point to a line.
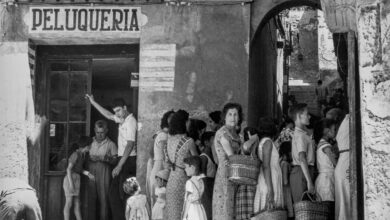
276	176
136	208
224	190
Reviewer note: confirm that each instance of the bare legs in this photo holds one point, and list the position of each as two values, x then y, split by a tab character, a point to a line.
68	205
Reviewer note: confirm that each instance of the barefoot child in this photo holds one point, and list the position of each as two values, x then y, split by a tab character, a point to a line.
136	205
71	183
325	131
193	208
160	191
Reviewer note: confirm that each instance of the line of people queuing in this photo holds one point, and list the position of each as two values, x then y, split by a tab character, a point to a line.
187	174
305	156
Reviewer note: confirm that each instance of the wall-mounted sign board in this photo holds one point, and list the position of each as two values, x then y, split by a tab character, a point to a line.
157	67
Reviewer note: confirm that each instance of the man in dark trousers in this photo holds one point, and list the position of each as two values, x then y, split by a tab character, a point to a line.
127	153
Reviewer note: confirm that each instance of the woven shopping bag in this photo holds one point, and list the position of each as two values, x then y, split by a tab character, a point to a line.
244	169
310	209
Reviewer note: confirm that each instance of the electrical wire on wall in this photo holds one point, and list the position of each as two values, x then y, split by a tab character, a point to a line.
133	3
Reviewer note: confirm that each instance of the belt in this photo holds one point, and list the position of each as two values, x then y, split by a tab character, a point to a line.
343	151
300	165
174	166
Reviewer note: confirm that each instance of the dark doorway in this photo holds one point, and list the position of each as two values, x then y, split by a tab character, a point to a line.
64	75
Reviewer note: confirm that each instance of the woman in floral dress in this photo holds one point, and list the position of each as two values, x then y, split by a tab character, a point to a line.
226	142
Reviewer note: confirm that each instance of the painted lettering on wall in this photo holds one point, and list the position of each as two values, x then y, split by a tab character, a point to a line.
84	19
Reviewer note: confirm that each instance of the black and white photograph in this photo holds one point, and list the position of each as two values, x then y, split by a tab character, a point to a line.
194	110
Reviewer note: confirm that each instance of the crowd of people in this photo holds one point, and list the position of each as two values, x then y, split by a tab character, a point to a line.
187	171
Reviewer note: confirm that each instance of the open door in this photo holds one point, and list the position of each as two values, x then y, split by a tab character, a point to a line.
66	74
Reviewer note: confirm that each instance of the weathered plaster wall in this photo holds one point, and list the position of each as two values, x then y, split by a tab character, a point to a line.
306	69
16	112
327	60
211	63
211	67
374	68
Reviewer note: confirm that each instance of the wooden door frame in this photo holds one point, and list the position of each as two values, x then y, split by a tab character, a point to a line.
45	172
355	134
42	94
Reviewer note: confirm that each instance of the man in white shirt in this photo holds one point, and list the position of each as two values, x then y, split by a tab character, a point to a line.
127	153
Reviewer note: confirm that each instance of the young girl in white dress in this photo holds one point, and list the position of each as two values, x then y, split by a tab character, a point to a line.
137	207
324	131
193	208
160	191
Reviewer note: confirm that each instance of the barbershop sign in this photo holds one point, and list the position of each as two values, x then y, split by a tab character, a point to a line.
85	19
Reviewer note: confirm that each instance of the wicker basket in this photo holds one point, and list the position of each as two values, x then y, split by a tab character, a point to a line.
311	209
273	214
243	169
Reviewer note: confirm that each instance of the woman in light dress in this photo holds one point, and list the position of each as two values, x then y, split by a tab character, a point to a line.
324	132
269	190
342	189
160	143
227	142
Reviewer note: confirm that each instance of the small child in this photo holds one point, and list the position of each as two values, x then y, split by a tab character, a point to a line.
302	153
324	131
193	208
71	183
285	160
158	208
137	208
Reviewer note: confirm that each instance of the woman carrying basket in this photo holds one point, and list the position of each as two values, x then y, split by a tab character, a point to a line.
226	142
269	193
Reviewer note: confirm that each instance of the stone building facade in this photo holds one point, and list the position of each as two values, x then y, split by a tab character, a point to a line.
214	45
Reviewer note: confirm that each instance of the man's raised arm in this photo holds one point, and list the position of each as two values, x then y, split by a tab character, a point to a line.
107	114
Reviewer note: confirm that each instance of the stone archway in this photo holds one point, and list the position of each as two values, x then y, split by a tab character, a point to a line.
263	10
262	85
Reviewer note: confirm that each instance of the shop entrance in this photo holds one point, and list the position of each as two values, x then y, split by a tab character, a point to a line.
64	75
